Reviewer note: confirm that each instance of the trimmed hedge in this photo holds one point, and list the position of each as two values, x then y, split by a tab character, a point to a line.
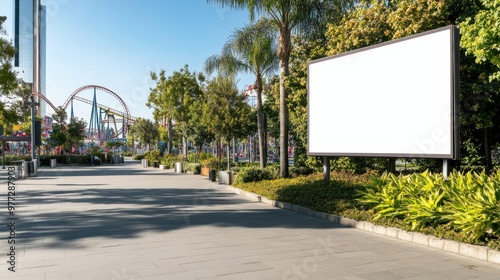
253	174
10	158
61	159
470	212
138	157
193	167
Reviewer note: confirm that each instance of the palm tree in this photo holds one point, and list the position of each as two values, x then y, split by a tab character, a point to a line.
303	17
249	49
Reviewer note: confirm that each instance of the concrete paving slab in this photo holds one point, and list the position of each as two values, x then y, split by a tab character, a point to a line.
129	222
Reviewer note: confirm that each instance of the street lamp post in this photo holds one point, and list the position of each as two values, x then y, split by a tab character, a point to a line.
33	144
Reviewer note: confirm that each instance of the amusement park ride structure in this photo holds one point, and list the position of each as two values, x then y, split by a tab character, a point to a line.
99	126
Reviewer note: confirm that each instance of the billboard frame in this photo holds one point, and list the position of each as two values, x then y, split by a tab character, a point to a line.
454	100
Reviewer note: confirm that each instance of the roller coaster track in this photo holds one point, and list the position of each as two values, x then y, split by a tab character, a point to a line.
124	115
110	92
34	93
130	119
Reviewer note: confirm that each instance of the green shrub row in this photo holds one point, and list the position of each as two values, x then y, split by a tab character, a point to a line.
310	191
61	159
155	157
169	160
127	154
469	203
66	159
10	158
193	167
296	171
253	174
465	208
214	163
138	157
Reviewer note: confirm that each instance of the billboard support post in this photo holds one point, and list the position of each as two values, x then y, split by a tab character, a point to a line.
326	170
446	168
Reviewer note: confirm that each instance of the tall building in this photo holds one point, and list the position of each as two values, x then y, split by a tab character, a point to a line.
30	41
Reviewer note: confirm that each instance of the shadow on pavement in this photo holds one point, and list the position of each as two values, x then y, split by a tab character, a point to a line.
68	215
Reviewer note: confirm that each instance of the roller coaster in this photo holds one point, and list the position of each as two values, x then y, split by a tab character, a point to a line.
101	116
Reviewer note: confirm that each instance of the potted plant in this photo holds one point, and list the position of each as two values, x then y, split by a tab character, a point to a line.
207	165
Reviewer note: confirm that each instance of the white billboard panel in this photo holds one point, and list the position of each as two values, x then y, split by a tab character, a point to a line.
397	99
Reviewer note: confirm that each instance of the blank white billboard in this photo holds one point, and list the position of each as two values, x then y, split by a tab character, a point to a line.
396	99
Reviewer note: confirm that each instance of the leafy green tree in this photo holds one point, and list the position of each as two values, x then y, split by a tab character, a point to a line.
172	98
8	80
199	132
302	17
226	111
480	113
146	131
162	110
12	91
131	137
59	135
481	35
76	132
304	51
250	49
67	135
271	109
376	21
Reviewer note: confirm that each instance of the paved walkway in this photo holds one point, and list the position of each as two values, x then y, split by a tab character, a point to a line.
126	222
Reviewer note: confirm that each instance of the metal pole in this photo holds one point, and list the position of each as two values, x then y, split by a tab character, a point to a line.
33	146
326	170
446	166
3	154
123	126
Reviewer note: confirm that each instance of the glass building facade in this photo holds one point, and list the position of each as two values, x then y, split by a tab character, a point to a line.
24	29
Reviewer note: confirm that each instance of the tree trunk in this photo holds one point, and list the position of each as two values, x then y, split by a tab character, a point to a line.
487	151
228	155
265	137
260	123
184	144
284	49
219	154
170	132
200	149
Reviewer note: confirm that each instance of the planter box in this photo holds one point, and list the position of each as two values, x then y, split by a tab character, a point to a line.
225	177
211	175
179	168
163	167
233	178
204	171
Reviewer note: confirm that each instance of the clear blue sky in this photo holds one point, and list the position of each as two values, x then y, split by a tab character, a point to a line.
116	43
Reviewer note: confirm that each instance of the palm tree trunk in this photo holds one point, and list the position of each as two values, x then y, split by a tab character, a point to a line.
260	123
284	49
265	136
